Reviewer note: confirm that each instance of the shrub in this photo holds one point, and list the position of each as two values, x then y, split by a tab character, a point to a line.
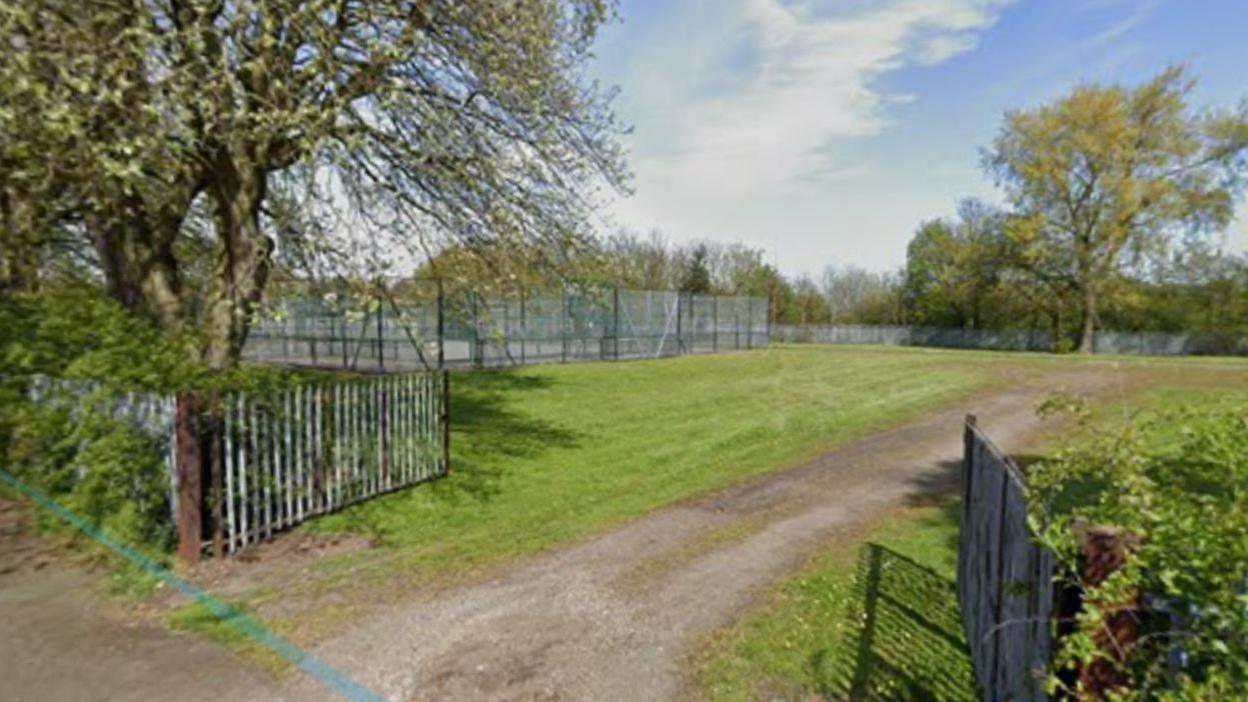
1176	484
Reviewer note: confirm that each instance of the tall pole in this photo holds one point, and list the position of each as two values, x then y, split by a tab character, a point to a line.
477	356
565	323
715	323
615	335
680	340
524	330
381	347
441	329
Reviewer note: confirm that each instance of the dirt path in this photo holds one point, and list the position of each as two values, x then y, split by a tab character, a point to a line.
64	639
609	618
612	617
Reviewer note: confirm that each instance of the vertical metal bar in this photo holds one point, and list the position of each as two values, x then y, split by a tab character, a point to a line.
615	335
381	344
340	427
715	323
767	339
565	324
217	459
270	469
245	456
441	328
228	440
477	356
303	430
288	460
446	423
524	331
383	431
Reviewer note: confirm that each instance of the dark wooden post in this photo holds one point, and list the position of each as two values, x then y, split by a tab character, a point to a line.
190	492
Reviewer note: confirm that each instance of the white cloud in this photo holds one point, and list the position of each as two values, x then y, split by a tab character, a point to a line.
744	102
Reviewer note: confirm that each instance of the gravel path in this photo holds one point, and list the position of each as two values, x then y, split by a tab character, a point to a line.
609	618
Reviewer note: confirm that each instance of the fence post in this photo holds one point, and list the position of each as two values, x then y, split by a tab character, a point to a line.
190	492
381	346
714	323
565	323
446	422
680	339
478	358
524	331
766	339
615	333
441	329
217	459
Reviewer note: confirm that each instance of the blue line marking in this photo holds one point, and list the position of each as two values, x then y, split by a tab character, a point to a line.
308	663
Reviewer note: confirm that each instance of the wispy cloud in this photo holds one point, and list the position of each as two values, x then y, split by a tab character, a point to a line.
738	96
1129	15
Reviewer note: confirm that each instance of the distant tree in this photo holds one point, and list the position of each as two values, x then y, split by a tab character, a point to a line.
855	295
697	277
953	268
1105	177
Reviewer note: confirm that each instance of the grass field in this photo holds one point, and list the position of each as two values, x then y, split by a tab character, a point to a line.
874	616
547	454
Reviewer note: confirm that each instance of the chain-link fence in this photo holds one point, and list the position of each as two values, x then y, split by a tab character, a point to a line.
420	328
1144	343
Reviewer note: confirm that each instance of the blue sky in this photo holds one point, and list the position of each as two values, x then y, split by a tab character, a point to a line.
824	132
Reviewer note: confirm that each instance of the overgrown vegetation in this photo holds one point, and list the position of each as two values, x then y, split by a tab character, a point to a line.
71	356
1171	485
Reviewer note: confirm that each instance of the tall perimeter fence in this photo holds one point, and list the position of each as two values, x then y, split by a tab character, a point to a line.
420	328
1142	343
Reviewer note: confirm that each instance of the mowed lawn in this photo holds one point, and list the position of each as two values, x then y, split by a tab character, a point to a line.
546	454
874	616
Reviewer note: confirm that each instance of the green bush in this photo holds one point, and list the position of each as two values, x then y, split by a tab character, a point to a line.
1177	483
85	354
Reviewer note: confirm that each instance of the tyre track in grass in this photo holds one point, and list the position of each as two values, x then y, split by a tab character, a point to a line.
612	617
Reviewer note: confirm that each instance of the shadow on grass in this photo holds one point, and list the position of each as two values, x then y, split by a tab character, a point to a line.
487	429
908	636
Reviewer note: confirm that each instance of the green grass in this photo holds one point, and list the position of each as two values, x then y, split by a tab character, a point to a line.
874	619
546	454
543	455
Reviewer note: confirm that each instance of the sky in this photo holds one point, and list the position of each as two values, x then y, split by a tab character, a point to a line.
825	132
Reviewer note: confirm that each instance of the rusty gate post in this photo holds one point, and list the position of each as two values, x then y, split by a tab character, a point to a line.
190	494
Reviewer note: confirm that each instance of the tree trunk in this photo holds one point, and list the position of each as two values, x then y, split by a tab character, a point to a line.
1088	336
136	253
242	263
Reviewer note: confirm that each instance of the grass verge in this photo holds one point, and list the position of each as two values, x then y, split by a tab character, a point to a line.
874	619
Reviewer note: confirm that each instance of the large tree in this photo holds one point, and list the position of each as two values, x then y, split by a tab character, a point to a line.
431	120
1107	176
